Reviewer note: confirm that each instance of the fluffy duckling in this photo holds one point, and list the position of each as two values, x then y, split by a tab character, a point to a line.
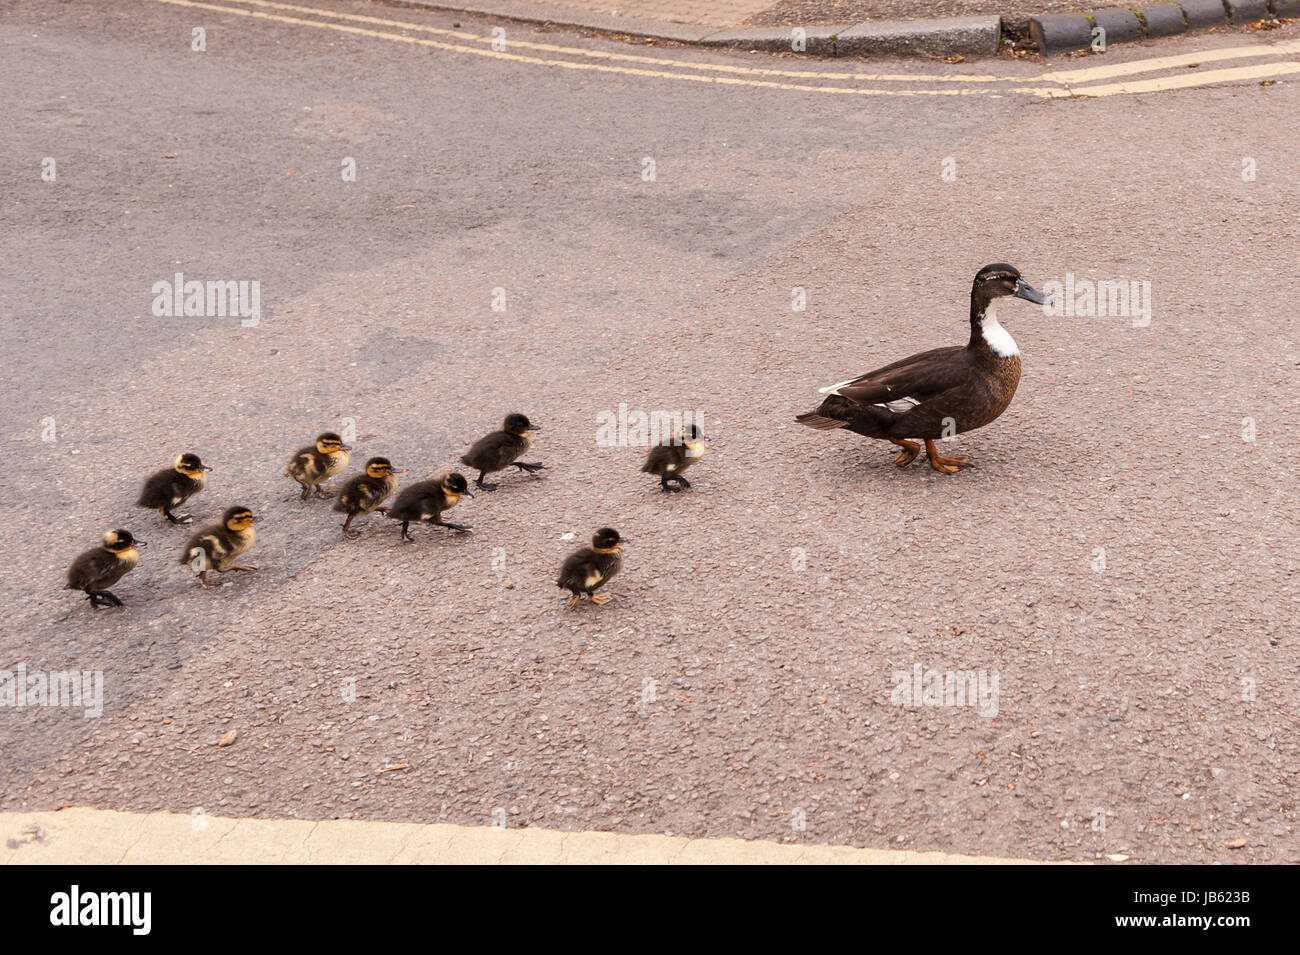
426	501
671	458
587	570
215	547
499	449
313	465
174	486
366	492
99	568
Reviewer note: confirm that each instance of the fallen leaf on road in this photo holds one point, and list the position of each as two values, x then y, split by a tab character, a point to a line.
1118	857
1235	843
392	768
228	738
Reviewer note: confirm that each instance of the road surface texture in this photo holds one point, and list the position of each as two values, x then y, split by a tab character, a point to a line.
1121	559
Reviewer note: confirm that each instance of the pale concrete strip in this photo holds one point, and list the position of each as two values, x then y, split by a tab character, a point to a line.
106	837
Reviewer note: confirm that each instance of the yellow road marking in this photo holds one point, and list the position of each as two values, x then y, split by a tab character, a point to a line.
1188	80
1168	62
737	75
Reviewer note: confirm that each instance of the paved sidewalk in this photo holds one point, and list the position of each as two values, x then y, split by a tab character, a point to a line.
732	13
794	12
105	837
717	13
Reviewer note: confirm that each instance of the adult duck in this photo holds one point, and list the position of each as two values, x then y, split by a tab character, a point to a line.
937	393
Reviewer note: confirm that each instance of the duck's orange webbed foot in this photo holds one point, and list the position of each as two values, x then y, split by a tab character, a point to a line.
945	465
910	450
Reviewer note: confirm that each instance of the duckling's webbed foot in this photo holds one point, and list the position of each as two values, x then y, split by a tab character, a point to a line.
573	602
183	519
600	598
532	468
483	484
247	568
406	533
347	527
910	450
455	527
945	465
666	487
306	492
102	598
323	492
682	481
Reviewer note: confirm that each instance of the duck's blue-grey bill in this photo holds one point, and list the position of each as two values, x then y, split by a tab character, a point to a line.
1029	293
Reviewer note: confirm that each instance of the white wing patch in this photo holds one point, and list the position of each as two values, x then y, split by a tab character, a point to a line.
835	388
900	404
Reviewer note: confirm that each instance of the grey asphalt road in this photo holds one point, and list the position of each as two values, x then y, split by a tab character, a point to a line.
1122	558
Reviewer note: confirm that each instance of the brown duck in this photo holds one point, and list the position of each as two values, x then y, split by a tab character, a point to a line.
216	547
174	486
588	569
498	450
937	393
670	459
367	492
426	501
313	465
99	568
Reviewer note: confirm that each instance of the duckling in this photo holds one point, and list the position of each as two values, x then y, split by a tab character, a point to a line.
366	492
500	448
216	546
313	465
937	393
426	500
670	459
174	486
587	570
99	568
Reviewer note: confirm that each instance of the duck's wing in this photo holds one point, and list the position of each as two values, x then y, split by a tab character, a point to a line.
491	452
157	490
659	459
91	569
356	494
305	463
905	384
418	502
574	570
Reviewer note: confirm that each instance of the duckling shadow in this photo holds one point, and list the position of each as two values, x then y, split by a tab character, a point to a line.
440	539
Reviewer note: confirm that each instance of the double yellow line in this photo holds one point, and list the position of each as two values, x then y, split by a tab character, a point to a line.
1050	85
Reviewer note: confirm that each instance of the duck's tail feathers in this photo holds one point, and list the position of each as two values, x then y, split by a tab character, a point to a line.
822	423
870	421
